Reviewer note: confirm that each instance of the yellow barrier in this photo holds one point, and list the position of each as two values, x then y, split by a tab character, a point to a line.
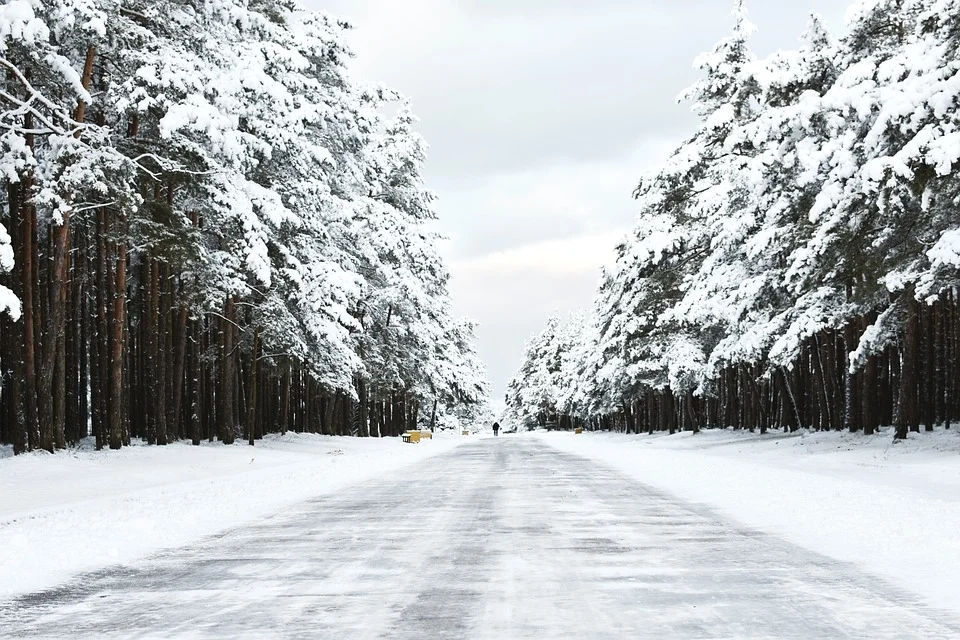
411	436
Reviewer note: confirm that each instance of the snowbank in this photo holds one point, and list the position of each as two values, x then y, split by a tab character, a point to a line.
892	509
82	510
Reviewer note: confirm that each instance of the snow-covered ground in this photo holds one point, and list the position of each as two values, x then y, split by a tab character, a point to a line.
892	509
502	538
83	510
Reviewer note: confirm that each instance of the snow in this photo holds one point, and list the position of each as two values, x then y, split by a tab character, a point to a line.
18	22
84	510
891	509
509	539
9	303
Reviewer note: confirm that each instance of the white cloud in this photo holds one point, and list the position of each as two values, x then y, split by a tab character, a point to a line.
561	199
576	255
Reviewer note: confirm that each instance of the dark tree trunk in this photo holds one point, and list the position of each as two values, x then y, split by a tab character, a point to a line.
851	413
155	409
28	222
930	371
285	402
868	397
823	399
251	422
178	381
13	390
909	415
165	431
117	425
196	386
228	377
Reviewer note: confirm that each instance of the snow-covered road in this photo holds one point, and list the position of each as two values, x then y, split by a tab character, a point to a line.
500	538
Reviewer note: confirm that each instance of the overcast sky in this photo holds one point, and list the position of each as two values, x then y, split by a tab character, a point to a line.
541	117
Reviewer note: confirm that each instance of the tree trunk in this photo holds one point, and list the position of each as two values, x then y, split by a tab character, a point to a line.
165	431
117	430
14	389
851	410
868	397
823	398
252	404
75	345
228	376
196	386
28	218
930	373
909	416
178	380
285	400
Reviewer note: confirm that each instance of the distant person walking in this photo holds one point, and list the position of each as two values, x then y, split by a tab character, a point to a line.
496	429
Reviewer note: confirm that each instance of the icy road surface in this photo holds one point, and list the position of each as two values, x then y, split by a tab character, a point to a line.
502	539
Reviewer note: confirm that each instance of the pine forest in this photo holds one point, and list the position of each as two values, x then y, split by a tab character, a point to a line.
794	262
212	229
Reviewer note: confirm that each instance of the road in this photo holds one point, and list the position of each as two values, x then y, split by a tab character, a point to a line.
500	538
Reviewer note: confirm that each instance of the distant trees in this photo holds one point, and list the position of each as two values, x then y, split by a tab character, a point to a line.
795	262
211	229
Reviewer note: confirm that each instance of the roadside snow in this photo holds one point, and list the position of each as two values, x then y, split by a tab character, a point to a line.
83	510
892	509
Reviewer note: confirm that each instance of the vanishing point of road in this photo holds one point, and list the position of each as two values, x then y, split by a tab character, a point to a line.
499	538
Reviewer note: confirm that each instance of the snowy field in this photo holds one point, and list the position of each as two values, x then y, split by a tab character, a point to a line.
83	510
891	509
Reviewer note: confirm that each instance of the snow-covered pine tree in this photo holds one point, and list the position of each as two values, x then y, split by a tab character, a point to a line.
204	204
794	263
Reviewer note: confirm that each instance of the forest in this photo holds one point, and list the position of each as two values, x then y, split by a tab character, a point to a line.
794	263
212	229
